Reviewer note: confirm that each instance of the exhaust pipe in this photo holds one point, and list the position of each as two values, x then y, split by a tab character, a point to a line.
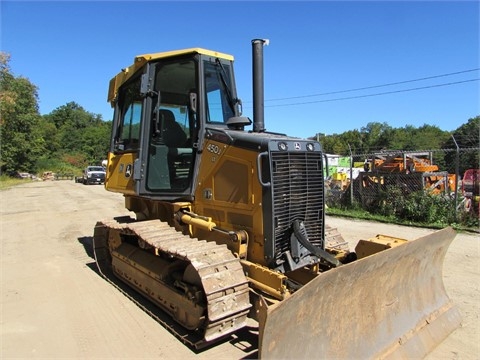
258	98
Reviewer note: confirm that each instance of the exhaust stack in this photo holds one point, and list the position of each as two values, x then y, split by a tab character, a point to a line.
258	92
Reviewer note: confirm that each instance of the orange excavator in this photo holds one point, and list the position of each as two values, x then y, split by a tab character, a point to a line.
417	170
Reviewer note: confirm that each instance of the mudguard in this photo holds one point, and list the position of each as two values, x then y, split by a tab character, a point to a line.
392	304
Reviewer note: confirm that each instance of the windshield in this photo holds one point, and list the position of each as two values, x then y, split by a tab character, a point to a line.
96	168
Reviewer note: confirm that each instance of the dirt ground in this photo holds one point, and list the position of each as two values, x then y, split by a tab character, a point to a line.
55	305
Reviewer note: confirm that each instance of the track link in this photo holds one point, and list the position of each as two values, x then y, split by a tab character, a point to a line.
216	270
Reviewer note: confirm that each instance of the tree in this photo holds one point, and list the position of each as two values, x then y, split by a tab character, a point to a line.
96	142
373	137
428	137
21	140
339	143
78	132
73	116
332	144
467	137
68	135
399	138
376	136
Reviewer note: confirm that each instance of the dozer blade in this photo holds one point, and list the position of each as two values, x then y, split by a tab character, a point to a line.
391	304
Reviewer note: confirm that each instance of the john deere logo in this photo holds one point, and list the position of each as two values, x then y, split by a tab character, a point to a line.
128	171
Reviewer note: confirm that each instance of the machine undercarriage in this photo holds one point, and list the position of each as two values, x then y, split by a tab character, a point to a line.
199	283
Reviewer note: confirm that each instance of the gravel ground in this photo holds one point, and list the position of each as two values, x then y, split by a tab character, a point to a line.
55	305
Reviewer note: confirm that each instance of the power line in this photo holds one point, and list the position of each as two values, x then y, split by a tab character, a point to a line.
375	86
371	95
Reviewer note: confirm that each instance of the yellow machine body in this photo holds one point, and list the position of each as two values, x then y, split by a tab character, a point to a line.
230	224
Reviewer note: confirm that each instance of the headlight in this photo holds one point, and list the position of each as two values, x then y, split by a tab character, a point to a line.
282	146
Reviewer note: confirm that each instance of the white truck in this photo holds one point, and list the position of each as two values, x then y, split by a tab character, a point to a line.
94	175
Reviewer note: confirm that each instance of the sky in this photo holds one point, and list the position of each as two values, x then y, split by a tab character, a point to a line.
330	66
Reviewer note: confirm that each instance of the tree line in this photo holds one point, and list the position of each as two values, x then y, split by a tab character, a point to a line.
65	140
377	137
69	138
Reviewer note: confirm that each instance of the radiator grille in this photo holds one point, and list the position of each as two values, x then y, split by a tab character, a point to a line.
297	185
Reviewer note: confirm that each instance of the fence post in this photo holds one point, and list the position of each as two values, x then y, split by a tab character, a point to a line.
457	160
351	175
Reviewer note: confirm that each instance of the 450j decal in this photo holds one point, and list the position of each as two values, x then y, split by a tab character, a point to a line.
214	149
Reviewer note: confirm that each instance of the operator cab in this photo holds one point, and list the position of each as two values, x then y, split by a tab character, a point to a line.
163	104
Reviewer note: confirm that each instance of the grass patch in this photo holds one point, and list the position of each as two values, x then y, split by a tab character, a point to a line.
359	214
7	182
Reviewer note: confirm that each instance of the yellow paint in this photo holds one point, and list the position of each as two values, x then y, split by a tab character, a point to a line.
228	192
141	60
117	179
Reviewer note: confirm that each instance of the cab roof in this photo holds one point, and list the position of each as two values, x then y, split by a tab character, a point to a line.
141	60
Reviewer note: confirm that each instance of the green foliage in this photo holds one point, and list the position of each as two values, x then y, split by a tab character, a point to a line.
376	137
58	166
76	131
20	137
469	220
466	136
7	182
418	207
390	201
428	209
68	138
76	160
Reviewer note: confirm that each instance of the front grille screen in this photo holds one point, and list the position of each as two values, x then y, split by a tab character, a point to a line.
297	185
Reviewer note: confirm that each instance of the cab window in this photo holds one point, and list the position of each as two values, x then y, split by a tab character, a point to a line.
128	136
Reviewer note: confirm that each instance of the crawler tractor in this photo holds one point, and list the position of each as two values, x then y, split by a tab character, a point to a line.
229	225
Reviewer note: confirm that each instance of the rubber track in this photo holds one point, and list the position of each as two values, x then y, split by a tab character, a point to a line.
225	285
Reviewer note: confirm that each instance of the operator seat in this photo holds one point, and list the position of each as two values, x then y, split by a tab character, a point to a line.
175	139
172	133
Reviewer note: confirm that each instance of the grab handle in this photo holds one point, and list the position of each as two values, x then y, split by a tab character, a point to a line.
259	169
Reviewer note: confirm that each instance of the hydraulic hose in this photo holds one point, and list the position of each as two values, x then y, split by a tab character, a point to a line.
301	234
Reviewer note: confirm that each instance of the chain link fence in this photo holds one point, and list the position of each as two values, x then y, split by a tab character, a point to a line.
396	182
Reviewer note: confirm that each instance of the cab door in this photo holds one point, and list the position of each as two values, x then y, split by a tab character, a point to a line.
125	145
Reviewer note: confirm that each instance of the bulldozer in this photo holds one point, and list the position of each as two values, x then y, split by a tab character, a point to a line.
229	226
